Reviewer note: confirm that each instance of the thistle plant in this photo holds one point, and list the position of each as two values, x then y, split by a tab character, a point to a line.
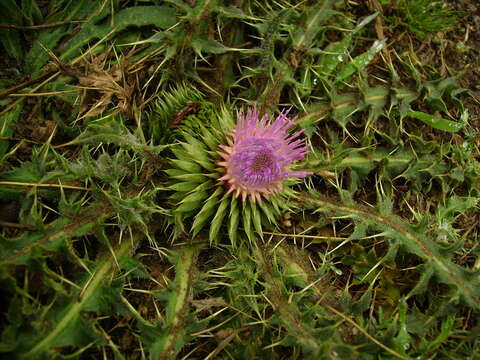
383	260
245	170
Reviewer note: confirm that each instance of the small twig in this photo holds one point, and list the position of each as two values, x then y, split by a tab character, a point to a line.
11	106
25	84
41	26
20	99
16	183
307	236
19	139
44	94
16	225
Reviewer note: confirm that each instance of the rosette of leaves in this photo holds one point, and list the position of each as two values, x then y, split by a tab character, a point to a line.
204	199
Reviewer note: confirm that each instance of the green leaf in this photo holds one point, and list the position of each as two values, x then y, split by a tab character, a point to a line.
233	12
466	281
162	17
403	98
31	11
68	319
11	42
7	121
166	343
402	339
426	274
133	266
361	61
37	57
335	54
344	106
27	172
448	327
12	10
200	45
436	122
312	22
376	98
112	131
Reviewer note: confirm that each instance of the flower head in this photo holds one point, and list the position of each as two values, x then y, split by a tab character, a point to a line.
259	154
216	161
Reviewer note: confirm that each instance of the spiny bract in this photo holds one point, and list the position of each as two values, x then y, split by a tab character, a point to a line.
221	169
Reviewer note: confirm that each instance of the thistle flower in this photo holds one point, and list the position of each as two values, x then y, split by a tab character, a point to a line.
259	154
217	162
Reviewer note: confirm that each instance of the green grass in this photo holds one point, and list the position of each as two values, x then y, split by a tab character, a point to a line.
117	241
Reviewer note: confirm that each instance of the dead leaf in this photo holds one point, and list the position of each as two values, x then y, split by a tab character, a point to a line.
105	86
204	304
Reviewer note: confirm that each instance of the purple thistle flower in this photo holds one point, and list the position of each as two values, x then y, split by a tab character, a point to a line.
259	154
